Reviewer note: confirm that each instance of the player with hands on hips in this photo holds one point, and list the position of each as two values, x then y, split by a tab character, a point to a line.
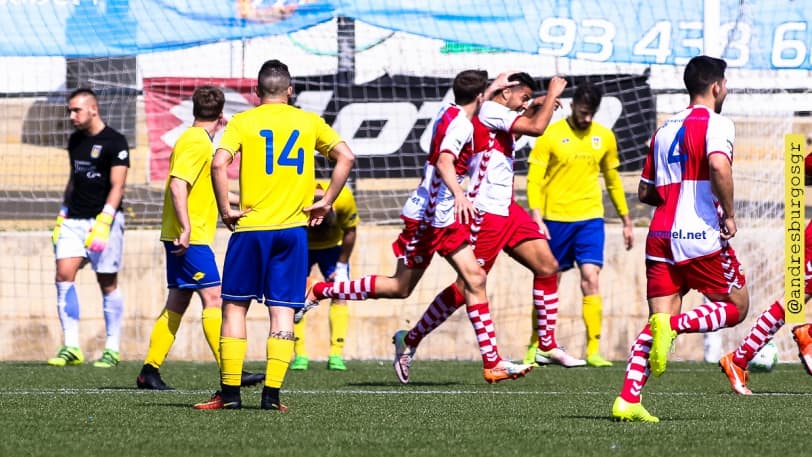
188	227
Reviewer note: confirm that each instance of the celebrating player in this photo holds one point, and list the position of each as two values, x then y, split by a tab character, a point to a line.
90	227
266	259
435	220
188	226
688	178
564	195
500	223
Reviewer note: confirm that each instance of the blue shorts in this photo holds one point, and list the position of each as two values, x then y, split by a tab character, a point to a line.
325	258
580	241
269	266
196	269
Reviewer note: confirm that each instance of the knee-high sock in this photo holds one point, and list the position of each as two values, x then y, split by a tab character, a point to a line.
339	322
534	325
545	302
593	319
708	317
480	317
766	326
113	306
232	357
162	337
440	309
637	368
212	320
67	307
279	351
299	333
354	289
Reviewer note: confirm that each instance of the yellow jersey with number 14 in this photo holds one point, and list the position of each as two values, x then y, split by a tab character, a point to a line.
277	144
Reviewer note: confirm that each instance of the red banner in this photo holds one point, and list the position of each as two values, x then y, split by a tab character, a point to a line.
168	106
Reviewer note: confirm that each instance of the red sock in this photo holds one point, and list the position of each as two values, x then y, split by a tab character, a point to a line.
766	326
545	302
637	368
443	306
354	289
708	317
480	317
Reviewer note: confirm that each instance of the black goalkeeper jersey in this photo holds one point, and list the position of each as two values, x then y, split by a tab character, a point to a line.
91	158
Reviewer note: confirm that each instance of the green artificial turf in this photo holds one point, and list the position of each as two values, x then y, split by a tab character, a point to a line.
447	410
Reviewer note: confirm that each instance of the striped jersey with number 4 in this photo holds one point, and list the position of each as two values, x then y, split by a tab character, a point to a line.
687	224
277	171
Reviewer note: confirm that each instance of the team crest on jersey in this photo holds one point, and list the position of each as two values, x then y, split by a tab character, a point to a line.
596	142
96	151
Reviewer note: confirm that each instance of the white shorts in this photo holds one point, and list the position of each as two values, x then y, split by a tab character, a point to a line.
71	243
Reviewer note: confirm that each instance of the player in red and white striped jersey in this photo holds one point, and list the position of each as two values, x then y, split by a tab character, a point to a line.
688	178
500	223
436	217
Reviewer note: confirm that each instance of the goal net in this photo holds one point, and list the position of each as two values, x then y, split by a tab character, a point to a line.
379	77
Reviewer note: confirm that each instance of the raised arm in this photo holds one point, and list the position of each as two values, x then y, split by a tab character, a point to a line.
538	117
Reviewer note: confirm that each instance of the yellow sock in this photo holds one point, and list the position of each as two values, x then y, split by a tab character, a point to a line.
279	352
232	356
212	320
593	310
339	322
163	335
534	334
299	338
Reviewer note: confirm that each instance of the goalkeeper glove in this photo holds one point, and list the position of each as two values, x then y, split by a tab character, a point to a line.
342	272
99	232
63	213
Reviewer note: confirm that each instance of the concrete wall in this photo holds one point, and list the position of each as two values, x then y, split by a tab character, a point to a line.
30	330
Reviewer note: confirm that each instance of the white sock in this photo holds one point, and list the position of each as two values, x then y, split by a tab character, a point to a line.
113	306
67	306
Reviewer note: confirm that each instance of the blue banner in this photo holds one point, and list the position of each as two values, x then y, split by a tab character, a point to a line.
754	34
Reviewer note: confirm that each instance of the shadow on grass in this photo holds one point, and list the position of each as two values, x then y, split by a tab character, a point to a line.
397	384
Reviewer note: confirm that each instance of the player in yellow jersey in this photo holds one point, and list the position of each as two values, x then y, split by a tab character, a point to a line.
188	225
564	195
331	244
266	259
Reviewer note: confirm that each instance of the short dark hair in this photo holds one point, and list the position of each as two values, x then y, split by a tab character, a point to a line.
524	79
207	103
273	78
468	85
82	91
588	94
701	72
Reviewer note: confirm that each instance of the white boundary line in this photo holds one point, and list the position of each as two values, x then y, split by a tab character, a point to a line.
404	391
